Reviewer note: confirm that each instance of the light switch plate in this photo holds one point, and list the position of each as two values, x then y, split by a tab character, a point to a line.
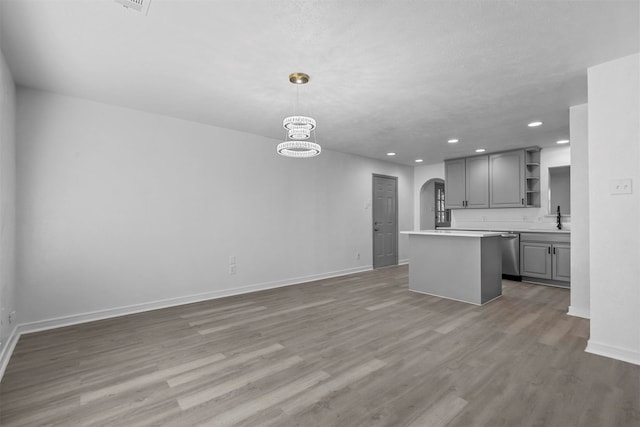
620	186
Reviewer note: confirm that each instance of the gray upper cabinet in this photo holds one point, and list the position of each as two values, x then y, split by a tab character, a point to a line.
506	179
477	182
454	175
502	180
467	182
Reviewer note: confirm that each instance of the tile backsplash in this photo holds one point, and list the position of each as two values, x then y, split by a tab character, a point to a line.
505	219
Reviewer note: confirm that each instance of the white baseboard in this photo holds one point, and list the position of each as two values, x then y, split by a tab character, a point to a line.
624	354
579	312
74	319
7	350
155	305
403	261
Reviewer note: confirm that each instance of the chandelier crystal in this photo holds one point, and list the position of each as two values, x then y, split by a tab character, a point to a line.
299	130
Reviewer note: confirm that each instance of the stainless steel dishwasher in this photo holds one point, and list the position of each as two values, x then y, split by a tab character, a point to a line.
511	254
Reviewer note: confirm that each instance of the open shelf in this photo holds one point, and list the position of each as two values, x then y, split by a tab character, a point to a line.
532	175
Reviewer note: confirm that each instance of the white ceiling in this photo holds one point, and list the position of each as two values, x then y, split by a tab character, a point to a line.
400	76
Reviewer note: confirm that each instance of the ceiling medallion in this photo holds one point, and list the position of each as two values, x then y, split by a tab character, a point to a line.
299	130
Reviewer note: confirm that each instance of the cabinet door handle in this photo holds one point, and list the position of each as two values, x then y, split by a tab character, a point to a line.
523	202
554	251
549	249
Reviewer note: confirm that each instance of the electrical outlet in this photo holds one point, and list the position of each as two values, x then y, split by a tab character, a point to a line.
357	255
620	186
12	317
232	269
232	259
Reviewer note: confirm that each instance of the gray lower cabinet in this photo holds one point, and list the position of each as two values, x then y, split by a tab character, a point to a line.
547	257
561	262
535	260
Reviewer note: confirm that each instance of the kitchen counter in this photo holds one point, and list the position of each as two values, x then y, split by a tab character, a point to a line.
460	265
503	230
454	233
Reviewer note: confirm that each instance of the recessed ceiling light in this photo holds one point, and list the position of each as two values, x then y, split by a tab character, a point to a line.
452	141
534	124
563	141
391	154
418	160
480	150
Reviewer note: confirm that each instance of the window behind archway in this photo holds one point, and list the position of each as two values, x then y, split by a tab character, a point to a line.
443	216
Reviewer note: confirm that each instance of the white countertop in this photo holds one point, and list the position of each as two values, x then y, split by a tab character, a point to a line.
453	233
505	230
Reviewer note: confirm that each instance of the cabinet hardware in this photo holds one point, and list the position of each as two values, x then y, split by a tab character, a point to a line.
523	201
554	251
549	249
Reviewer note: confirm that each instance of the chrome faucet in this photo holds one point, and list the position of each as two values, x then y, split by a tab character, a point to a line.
559	219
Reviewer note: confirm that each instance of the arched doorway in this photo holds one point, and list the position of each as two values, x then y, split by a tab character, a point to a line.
428	208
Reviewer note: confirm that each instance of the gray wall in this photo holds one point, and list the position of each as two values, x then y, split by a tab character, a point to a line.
123	208
7	205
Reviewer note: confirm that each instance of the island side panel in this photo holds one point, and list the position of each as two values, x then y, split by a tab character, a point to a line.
446	266
491	265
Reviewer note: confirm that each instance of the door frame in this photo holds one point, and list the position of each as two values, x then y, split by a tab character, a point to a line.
373	205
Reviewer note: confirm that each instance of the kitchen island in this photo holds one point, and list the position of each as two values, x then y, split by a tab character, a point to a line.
460	265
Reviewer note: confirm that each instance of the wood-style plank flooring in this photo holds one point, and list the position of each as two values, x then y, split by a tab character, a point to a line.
358	350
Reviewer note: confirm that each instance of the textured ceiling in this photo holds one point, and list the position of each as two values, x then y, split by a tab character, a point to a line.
400	76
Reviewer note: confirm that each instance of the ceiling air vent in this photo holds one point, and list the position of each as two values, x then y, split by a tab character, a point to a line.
139	5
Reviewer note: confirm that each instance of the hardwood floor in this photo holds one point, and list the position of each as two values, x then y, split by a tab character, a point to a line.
358	350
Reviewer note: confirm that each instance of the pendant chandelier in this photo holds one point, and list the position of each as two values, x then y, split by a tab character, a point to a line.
300	135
